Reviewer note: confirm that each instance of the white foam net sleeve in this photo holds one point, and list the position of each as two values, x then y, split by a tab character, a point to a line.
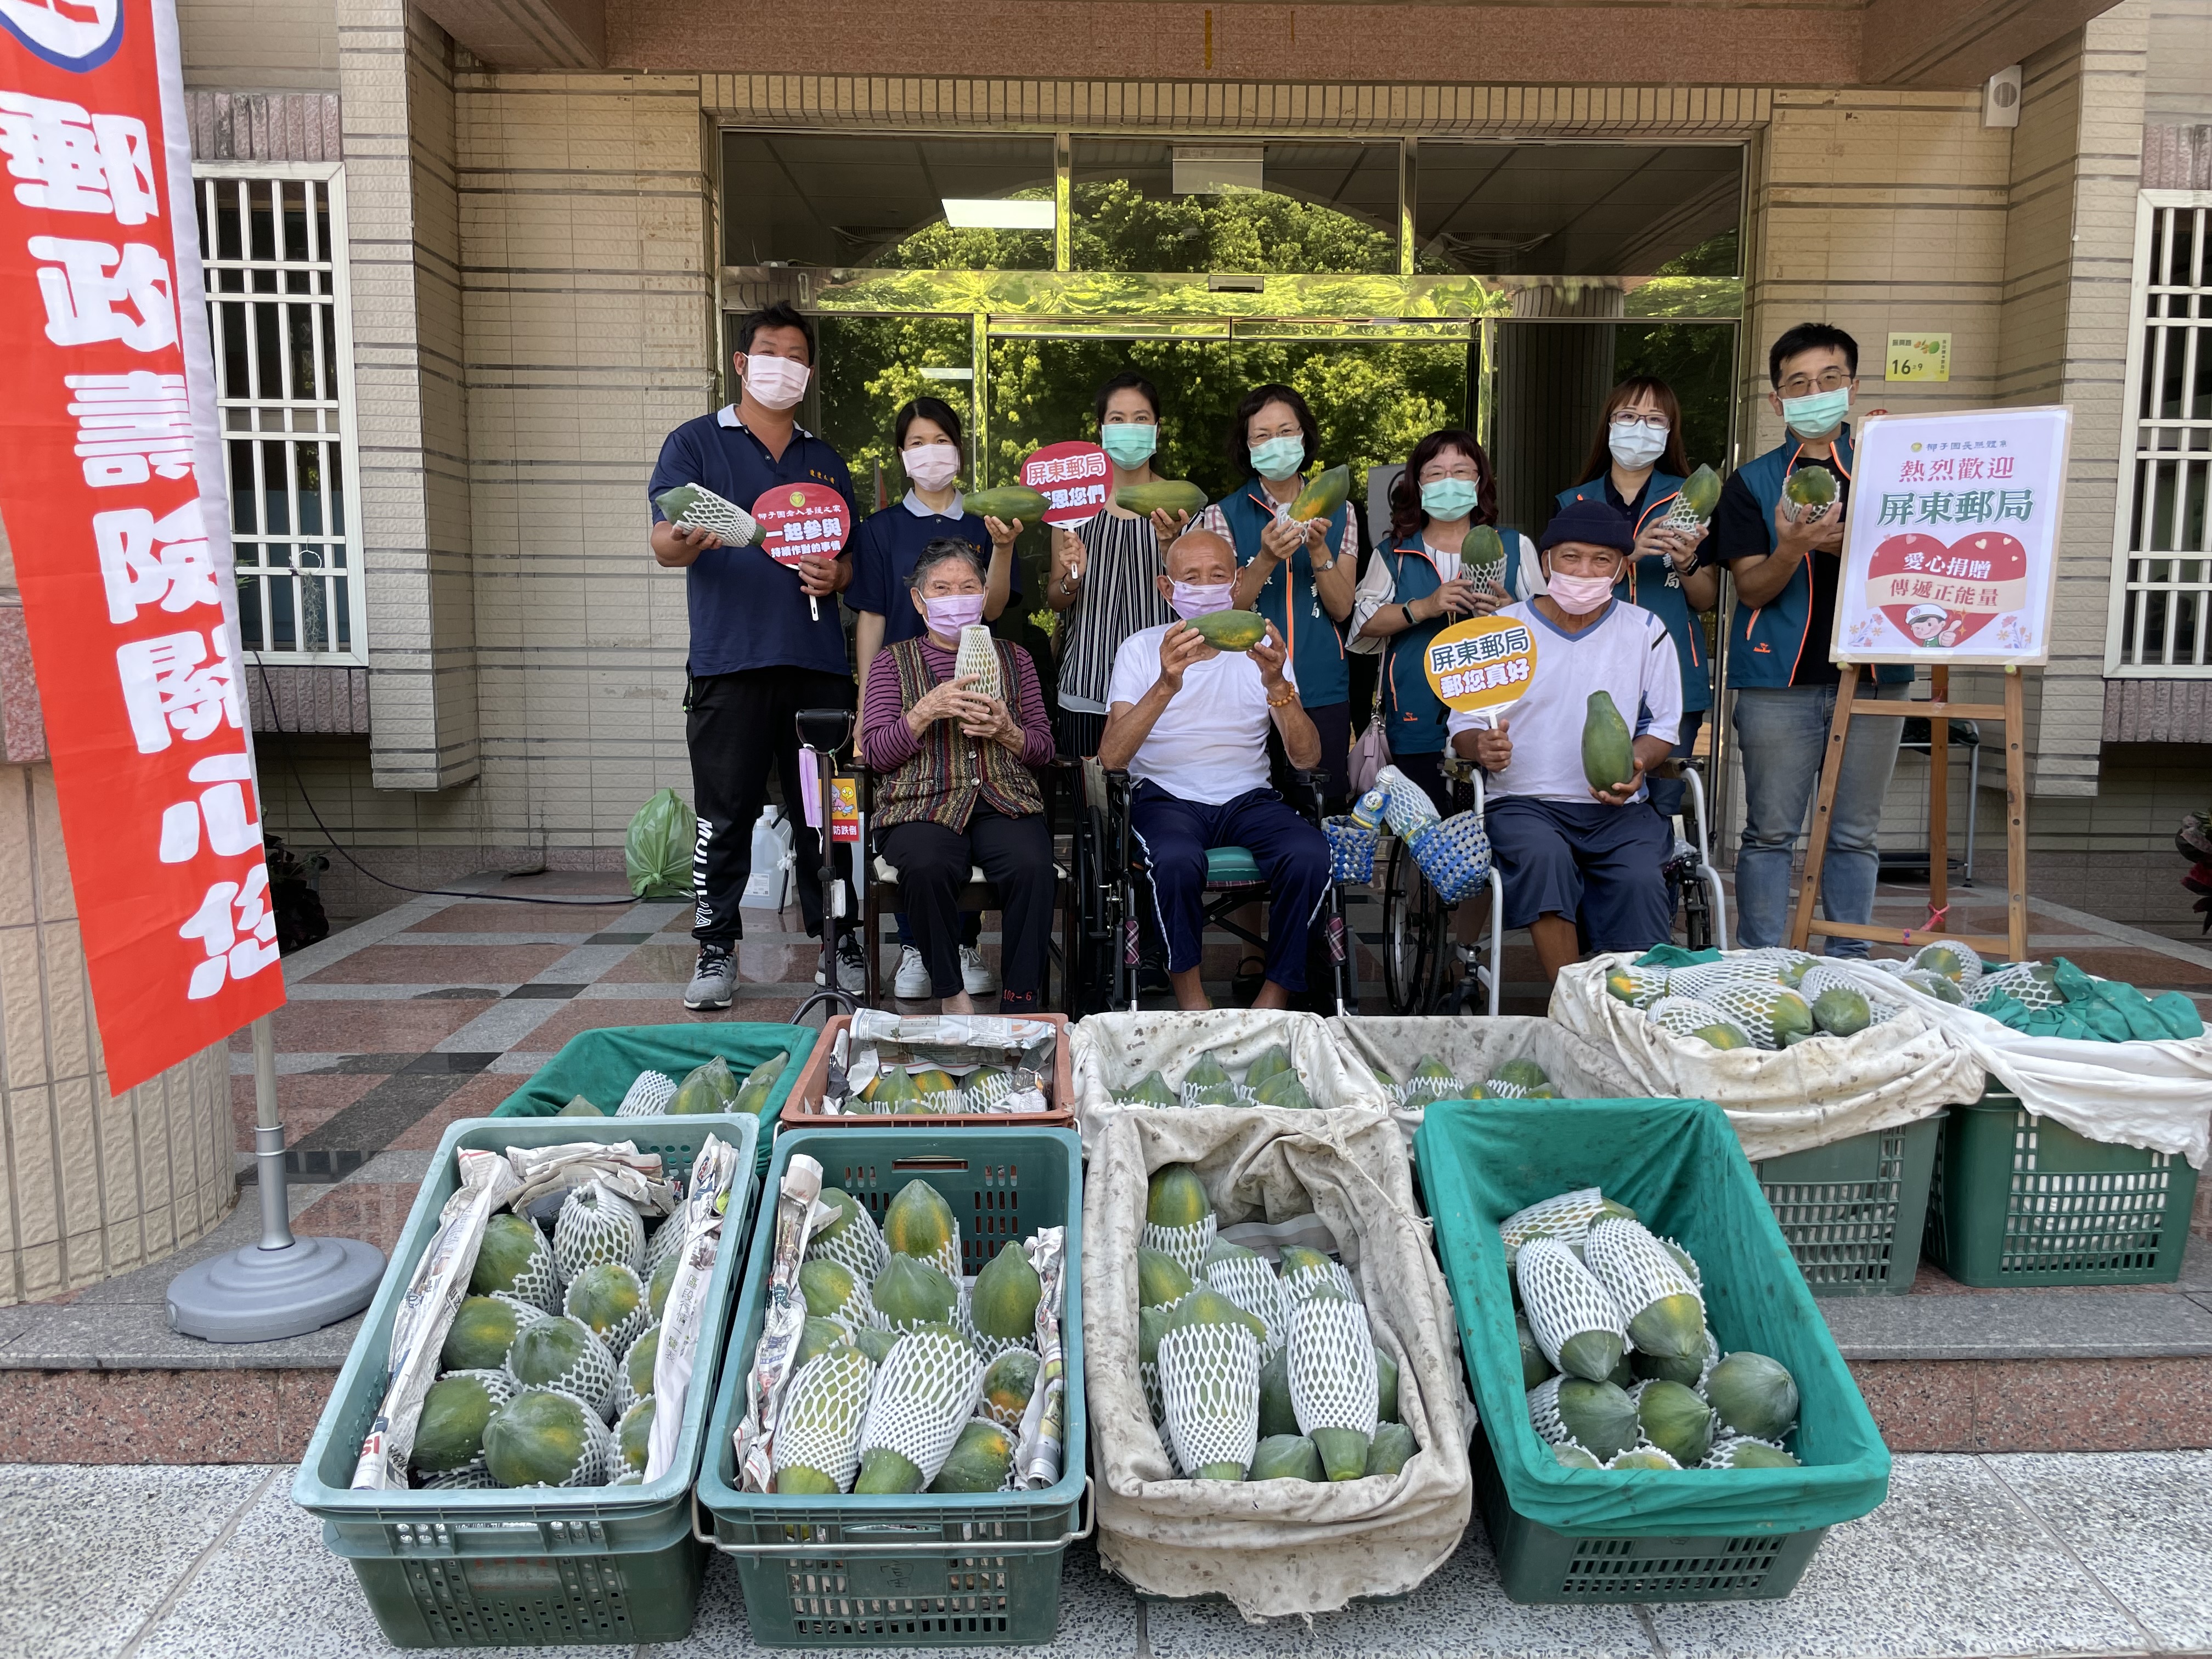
1148	1374
1702	979
708	511
1332	1369
1825	978
590	1377
1195	1095
857	1310
925	1389
2019	982
1544	1411
1498	1088
1187	1245
1562	1297
664	1242
1317	1280
625	1396
990	1348
1642	1448
1684	1016
597	1224
1633	1266
1942	958
820	1425
595	1464
945	1259
1566	1217
1753	1008
539	1281
1409	807
857	1247
649	1094
1210	1395
471	1476
1421	1092
1251	1284
1645	985
1790	965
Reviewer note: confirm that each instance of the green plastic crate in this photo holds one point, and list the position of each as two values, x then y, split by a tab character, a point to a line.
1854	1211
932	1570
1535	1563
601	1065
538	1567
2022	1199
1563	1535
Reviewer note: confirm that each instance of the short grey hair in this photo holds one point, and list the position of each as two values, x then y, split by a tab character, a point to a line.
937	552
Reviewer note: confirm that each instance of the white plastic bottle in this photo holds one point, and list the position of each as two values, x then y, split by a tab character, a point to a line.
768	886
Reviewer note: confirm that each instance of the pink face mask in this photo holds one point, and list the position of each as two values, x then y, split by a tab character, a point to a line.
930	466
948	613
1578	595
1191	599
775	382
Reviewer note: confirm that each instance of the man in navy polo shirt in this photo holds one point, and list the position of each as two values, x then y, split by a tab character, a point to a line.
758	655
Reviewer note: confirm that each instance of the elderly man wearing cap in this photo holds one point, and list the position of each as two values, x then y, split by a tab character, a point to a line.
1580	863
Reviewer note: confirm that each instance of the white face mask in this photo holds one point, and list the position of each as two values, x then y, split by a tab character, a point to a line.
930	466
1636	446
775	382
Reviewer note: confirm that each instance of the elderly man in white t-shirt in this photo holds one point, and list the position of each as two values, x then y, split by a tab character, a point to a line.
1577	861
1189	724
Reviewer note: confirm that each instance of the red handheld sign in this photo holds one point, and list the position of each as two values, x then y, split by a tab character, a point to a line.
802	521
1075	477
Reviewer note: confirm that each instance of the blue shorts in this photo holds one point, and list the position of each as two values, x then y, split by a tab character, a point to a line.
1601	866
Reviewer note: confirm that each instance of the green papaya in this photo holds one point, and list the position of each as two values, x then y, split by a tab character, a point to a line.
1270	1060
1386	1385
1207	1083
1521	1074
1230	630
1391	1449
1162	495
1283	1089
1176	1197
1597	1416
1644	1457
1675	1420
1755	1455
895	1092
1842	1011
1277	1415
1323	494
1003	1302
1754	1395
578	1107
759	1083
1535	1368
1482	545
1161	1281
1701	493
1572	1456
1285	1457
1151	1090
1608	756
978	1461
1810	486
1007	502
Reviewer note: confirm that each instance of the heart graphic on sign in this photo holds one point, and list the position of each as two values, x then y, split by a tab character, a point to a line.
1939	595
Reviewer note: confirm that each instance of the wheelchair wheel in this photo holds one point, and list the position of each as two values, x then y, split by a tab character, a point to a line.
1089	961
1414	924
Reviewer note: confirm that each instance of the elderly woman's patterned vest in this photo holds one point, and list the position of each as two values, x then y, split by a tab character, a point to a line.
940	784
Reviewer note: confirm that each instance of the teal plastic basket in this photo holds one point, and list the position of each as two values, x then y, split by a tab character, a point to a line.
601	1065
1854	1211
934	1570
537	1566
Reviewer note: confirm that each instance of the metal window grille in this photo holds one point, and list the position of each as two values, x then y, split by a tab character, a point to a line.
2161	618
272	240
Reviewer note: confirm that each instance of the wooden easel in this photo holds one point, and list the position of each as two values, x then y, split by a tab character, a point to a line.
1939	713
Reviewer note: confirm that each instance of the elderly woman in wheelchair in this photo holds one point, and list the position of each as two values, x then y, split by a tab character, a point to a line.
954	789
1189	724
1577	861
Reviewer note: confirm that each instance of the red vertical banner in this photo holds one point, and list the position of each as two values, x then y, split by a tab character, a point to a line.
112	493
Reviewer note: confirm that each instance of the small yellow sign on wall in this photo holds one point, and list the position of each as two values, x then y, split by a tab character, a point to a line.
1919	357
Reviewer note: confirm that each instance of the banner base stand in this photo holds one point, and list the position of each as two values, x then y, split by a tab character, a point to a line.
257	1295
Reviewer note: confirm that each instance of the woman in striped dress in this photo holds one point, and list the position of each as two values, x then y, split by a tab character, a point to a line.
1101	582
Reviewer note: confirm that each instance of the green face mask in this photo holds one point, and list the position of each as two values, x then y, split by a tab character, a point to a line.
1278	458
1131	443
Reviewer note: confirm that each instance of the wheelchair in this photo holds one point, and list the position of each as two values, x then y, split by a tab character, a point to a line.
1418	951
1108	880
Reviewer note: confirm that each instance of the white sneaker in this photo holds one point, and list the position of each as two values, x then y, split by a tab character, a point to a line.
913	983
975	975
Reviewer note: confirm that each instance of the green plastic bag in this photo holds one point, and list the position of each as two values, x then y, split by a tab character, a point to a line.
657	851
2178	1014
1679	1165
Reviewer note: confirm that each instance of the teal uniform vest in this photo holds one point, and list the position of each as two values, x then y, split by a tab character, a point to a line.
1289	599
1413	714
1644	583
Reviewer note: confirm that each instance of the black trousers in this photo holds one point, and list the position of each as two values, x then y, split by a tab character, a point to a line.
739	726
1015	855
1333	723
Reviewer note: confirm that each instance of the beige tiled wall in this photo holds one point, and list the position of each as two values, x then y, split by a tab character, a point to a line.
91	1184
259	44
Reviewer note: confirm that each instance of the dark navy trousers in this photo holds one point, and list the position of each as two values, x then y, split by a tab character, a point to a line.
1174	835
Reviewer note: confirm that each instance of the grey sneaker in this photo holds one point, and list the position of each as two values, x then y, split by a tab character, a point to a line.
913	983
851	966
975	975
713	982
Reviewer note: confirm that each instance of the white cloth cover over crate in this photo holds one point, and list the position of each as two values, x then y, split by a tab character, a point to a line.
1474	1048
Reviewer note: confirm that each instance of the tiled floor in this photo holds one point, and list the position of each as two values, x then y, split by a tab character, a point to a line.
1972	1557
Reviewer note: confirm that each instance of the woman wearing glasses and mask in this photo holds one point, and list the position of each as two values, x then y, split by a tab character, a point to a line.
1418	585
1637	466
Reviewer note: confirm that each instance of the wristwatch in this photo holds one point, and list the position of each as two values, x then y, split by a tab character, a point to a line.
1408	609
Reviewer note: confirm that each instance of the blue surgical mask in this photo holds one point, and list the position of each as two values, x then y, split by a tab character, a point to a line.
1817	414
1131	443
1450	498
1278	458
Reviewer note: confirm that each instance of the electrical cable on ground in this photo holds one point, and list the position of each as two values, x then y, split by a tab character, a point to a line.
292	765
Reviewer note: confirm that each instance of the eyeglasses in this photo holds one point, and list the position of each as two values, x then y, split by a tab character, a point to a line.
1831	380
1628	420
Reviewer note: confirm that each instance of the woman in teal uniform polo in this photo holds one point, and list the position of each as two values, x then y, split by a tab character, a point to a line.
1637	466
1299	576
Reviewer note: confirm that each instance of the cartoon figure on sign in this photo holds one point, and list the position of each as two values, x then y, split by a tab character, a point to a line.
1939	595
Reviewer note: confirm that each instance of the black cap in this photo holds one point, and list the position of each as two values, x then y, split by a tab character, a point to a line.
1597	522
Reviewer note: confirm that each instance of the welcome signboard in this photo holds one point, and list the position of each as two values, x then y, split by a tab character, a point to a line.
1949	551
